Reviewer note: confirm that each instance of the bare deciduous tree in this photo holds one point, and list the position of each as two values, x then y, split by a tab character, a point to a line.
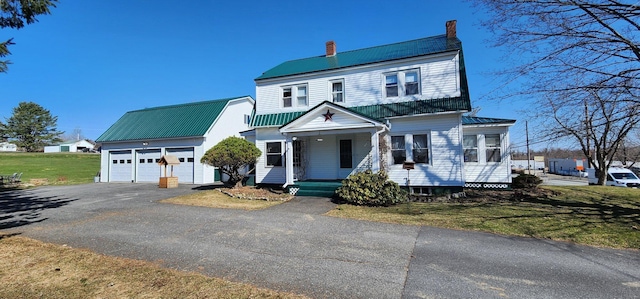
578	62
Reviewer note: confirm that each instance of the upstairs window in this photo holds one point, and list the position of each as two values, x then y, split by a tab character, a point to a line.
492	144
295	96
337	91
286	97
470	145
403	83
391	85
302	95
411	83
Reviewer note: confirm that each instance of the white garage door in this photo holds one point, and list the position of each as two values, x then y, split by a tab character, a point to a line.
121	166
184	171
147	168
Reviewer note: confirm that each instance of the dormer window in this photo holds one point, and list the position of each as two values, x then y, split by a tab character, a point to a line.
298	92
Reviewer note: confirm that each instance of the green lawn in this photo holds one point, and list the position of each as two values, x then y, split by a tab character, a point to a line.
592	215
57	168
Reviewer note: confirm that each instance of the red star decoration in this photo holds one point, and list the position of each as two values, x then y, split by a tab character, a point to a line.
328	116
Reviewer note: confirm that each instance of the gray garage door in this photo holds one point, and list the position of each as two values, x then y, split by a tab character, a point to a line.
147	168
184	171
121	166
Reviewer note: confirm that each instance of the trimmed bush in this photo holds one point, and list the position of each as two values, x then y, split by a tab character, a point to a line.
371	189
523	181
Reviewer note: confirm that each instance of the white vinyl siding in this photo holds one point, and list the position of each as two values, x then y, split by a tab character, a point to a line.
482	170
438	78
445	148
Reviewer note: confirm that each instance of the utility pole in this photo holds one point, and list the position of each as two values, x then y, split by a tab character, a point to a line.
526	127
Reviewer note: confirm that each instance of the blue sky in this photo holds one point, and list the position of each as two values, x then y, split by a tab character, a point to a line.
89	62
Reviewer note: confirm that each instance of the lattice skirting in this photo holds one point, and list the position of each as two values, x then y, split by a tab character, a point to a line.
293	190
487	185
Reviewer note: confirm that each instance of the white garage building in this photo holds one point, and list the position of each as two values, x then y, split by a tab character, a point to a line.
133	145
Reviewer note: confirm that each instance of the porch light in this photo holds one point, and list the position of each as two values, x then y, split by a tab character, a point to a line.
145	143
294	138
319	140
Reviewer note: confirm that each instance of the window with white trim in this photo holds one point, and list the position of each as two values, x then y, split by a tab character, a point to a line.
492	146
286	97
295	96
391	85
411	85
402	83
410	147
274	153
420	148
470	146
337	90
301	95
398	151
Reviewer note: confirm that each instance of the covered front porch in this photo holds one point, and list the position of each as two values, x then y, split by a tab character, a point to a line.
329	143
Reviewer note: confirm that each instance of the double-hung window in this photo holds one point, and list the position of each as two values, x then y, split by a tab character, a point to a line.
492	145
301	95
297	96
398	150
274	153
420	149
411	83
470	146
337	91
402	83
286	97
391	85
417	146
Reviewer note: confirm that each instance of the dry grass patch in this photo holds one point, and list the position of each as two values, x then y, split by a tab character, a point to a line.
32	269
246	198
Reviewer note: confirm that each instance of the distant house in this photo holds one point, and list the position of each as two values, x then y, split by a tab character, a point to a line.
325	117
133	145
70	147
8	147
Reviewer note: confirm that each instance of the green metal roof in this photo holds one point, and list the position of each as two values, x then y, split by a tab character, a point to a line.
375	112
275	119
184	120
474	120
402	50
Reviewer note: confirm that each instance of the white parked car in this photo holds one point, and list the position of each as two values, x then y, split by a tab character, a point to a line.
616	176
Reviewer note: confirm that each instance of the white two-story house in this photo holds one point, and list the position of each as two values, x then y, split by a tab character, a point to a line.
325	117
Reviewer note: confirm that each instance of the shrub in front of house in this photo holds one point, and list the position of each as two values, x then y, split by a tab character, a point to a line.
371	189
523	181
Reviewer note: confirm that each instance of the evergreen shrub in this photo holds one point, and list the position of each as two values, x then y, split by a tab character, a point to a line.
371	189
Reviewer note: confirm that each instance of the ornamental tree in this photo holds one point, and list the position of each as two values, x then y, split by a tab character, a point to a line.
232	155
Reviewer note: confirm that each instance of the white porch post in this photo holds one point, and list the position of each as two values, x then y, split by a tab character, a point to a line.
289	161
375	155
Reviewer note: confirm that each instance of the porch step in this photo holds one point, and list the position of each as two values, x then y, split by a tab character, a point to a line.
317	188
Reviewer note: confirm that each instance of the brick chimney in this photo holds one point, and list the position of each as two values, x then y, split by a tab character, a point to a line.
331	48
451	29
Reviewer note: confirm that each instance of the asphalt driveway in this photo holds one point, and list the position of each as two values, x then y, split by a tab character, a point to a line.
292	247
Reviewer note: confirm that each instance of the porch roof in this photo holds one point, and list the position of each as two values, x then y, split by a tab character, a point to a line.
375	112
475	120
